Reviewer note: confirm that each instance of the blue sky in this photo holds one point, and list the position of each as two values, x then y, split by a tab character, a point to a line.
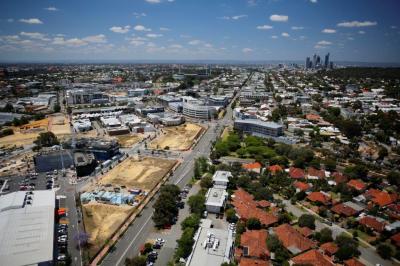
351	30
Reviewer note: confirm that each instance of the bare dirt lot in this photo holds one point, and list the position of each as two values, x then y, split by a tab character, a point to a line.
176	138
127	141
101	221
59	125
144	174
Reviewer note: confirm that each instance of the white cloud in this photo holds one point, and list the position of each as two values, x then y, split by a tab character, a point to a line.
279	18
121	30
393	27
100	38
51	8
153	1
208	45
313	1
328	31
194	42
274	37
350	38
176	46
297	28
34	35
137	41
153	35
324	43
357	24
74	42
31	21
264	27
247	50
285	34
239	17
10	20
361	32
139	15
164	29
141	28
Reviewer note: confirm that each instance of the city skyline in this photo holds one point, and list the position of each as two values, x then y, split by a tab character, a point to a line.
362	31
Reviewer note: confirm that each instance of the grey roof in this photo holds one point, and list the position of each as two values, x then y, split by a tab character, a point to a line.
221	176
216	196
259	123
26	230
207	255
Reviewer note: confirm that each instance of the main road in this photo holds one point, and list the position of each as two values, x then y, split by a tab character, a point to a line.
129	244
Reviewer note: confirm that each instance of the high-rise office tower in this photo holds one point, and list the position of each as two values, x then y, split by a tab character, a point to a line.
326	63
314	61
308	63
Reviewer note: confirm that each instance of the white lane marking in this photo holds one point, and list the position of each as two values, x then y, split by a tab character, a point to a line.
133	240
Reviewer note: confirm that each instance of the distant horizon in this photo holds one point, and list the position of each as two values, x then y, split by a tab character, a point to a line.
192	61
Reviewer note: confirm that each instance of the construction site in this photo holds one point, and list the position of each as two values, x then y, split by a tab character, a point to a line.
109	201
177	138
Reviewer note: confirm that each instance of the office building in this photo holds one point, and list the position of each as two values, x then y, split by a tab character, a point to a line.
326	62
221	178
198	111
259	128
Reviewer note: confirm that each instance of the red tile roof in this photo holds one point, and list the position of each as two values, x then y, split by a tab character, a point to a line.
339	177
311	171
343	209
263	203
329	248
353	262
301	185
305	231
292	239
396	239
296	173
275	168
373	223
381	198
319	197
251	166
357	184
253	262
313	117
246	207
312	257
256	243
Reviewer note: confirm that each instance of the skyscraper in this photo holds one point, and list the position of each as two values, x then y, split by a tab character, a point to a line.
326	63
314	61
308	63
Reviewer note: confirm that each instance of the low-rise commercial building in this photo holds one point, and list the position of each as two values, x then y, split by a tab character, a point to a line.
259	128
27	228
216	199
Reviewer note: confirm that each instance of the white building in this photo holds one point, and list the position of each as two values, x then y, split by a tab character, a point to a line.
198	111
221	178
212	246
216	199
27	228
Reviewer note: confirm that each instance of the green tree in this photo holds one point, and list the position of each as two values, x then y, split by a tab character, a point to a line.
185	243
307	220
384	250
57	108
253	224
197	204
136	261
231	216
206	182
348	247
192	221
326	235
46	139
393	178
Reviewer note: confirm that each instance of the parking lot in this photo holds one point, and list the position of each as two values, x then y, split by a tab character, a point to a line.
32	181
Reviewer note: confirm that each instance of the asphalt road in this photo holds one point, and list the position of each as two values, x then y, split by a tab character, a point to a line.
129	244
368	256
